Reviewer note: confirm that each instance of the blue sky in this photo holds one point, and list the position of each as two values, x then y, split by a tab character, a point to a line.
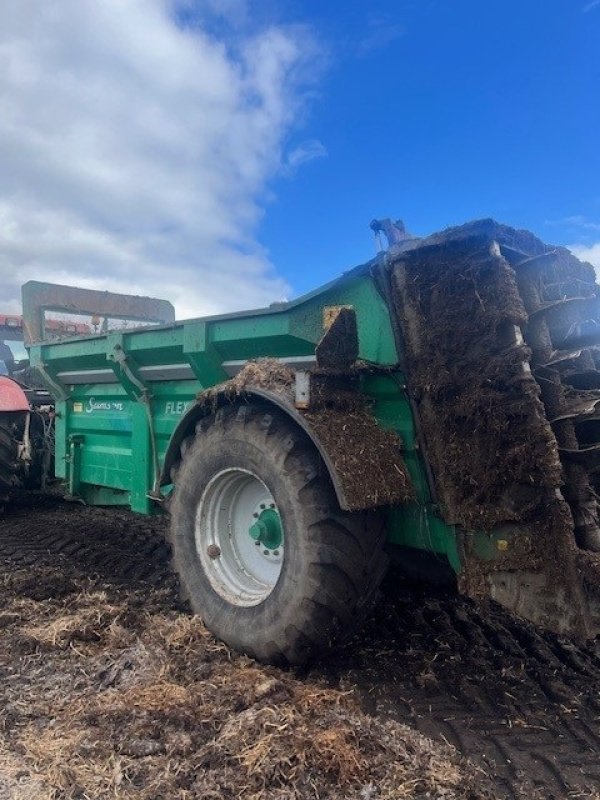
440	112
228	153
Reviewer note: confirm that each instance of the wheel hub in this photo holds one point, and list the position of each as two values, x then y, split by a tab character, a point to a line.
239	537
267	529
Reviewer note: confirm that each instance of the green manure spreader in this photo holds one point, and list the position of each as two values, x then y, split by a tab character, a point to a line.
439	404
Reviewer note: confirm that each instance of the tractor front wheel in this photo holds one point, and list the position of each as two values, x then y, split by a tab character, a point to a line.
10	468
264	553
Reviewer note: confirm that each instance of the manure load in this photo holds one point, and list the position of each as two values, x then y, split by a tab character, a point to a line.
436	405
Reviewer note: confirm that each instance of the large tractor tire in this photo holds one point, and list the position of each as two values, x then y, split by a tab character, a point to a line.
10	469
264	554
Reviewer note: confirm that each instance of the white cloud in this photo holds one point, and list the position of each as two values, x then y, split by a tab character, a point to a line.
576	221
306	151
587	252
381	32
137	151
591	5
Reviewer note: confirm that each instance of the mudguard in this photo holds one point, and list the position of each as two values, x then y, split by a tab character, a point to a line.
364	462
12	397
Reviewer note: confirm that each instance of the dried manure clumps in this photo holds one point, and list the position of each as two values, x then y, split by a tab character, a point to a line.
366	458
113	693
493	454
263	373
501	338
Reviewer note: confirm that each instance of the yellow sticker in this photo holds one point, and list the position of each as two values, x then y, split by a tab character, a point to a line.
502	544
78	407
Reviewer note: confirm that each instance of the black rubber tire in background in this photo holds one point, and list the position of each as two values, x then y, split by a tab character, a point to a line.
9	466
41	469
333	561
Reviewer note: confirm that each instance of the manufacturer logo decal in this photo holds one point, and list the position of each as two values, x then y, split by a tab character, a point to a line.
103	405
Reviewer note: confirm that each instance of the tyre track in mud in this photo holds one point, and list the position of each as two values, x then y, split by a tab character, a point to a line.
107	544
523	705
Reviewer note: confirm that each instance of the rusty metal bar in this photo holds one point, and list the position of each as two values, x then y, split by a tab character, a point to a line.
40	297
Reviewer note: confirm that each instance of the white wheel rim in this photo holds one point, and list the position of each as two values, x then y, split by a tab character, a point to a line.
240	569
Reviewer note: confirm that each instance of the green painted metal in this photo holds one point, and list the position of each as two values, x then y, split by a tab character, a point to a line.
113	429
200	353
418	524
420	527
267	529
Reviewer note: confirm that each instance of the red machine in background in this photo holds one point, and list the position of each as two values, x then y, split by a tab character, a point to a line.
26	435
26	407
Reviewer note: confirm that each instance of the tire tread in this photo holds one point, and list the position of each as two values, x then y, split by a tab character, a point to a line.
9	466
347	561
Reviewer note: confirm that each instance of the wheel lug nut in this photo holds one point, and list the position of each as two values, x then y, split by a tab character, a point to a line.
272	505
265	552
262	505
257	543
255	515
275	552
213	551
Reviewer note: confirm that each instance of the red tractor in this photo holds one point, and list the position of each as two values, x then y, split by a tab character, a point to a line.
26	436
26	415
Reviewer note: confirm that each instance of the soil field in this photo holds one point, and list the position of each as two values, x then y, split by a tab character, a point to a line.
108	688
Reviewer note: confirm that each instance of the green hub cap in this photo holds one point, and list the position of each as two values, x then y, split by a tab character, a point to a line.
267	529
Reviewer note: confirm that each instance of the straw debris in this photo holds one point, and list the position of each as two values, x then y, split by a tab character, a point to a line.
112	700
367	459
263	373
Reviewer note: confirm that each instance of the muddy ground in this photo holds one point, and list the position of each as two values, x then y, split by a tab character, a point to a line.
108	689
